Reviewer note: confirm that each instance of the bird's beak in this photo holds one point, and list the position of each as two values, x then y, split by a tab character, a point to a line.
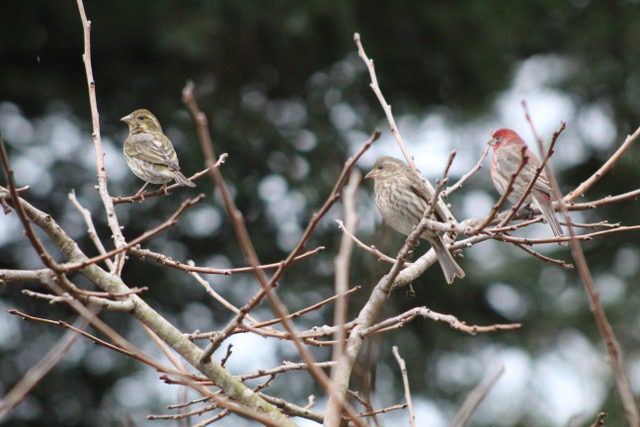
370	174
491	142
127	119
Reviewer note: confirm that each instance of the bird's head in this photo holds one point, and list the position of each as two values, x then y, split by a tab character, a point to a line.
142	120
385	166
502	136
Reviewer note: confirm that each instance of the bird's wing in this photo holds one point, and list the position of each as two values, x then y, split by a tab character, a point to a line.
510	161
417	188
542	183
152	148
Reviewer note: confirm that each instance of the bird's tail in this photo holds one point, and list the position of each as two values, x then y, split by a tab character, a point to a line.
449	266
181	179
543	202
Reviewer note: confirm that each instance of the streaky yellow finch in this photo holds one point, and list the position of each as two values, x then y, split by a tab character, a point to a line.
148	151
402	202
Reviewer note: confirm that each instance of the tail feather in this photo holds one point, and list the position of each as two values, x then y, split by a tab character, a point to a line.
181	179
549	215
449	266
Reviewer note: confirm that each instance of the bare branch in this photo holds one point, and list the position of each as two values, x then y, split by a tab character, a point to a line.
384	410
75	329
7	275
476	397
4	195
372	307
608	200
170	222
558	262
286	367
501	201
405	382
248	249
163	192
371	249
245	400
600	316
539	170
606	167
342	262
402	319
36	373
599	421
464	178
441	207
112	219
26	224
312	307
91	229
192	268
215	295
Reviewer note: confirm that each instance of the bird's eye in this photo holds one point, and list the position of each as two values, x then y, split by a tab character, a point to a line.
140	118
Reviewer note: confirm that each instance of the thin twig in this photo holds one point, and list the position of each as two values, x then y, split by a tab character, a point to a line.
181	415
286	367
248	249
383	410
400	320
170	222
192	268
474	399
369	248
405	382
600	316
6	195
539	169
599	421
37	372
163	192
73	328
123	306
312	307
464	178
112	219
205	138
342	263
558	262
91	229
602	171
185	404
374	304
441	208
608	200
22	215
501	201
215	295
244	400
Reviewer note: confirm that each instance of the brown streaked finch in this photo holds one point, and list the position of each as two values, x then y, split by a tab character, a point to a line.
402	202
149	153
507	156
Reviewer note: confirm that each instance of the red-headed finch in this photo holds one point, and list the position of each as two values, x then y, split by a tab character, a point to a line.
508	149
402	203
149	153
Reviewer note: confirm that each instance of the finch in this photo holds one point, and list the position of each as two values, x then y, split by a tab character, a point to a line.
149	153
402	202
507	157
